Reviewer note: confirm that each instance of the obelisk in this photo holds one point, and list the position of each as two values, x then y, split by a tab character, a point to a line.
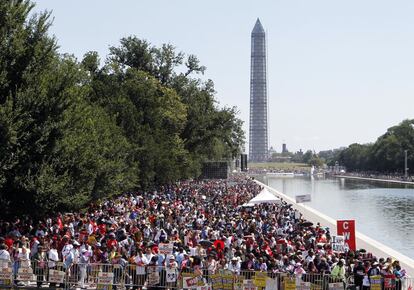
258	137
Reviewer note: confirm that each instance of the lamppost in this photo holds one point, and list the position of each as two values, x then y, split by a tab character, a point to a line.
405	164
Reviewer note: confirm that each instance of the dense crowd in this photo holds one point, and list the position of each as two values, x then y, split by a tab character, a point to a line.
210	229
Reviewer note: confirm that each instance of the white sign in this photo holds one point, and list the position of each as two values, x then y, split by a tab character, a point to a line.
153	278
56	276
105	278
338	244
303	198
303	285
271	284
25	274
6	273
249	285
171	275
166	249
338	240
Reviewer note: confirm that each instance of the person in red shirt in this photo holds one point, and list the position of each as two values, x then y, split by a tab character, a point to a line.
112	242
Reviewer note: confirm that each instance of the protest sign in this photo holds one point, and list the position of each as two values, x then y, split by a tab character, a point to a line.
271	284
300	285
389	281
216	281
166	248
259	279
249	285
171	275
227	282
105	281
25	274
6	275
346	228
191	281
153	278
105	278
289	283
56	276
375	282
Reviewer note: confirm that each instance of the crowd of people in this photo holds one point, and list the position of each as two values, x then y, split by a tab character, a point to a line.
205	221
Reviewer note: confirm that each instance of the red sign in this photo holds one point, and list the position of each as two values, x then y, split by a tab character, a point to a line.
347	230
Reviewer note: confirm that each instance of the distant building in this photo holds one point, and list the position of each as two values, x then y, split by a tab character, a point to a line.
258	135
284	148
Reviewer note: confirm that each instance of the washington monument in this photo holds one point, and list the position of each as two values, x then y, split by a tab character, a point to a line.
258	138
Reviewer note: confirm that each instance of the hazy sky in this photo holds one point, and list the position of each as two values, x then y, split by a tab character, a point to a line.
339	71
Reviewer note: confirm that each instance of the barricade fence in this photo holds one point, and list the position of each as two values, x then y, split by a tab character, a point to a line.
34	274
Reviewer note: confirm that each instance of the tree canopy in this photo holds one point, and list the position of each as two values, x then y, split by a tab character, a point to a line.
386	154
74	131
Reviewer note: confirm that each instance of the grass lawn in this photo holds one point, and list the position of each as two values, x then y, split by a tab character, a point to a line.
280	165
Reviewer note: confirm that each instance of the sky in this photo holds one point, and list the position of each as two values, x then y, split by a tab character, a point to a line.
339	72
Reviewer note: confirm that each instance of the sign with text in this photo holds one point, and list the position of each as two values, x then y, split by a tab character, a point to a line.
271	284
289	283
259	279
56	276
338	244
105	278
389	281
165	248
303	198
25	274
346	228
376	282
249	285
300	285
6	275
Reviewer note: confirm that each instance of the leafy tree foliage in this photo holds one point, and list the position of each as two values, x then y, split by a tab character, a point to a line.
71	131
386	154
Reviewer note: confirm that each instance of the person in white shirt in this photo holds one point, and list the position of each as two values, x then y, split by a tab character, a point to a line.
84	261
234	266
141	262
4	257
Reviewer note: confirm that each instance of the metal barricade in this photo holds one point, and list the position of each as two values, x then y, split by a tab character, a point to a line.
32	274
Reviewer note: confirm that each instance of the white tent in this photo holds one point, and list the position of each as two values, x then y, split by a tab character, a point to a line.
265	197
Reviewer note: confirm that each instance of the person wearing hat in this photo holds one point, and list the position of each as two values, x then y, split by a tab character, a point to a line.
234	266
171	273
374	270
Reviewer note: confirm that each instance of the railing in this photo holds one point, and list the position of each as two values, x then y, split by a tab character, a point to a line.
29	274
